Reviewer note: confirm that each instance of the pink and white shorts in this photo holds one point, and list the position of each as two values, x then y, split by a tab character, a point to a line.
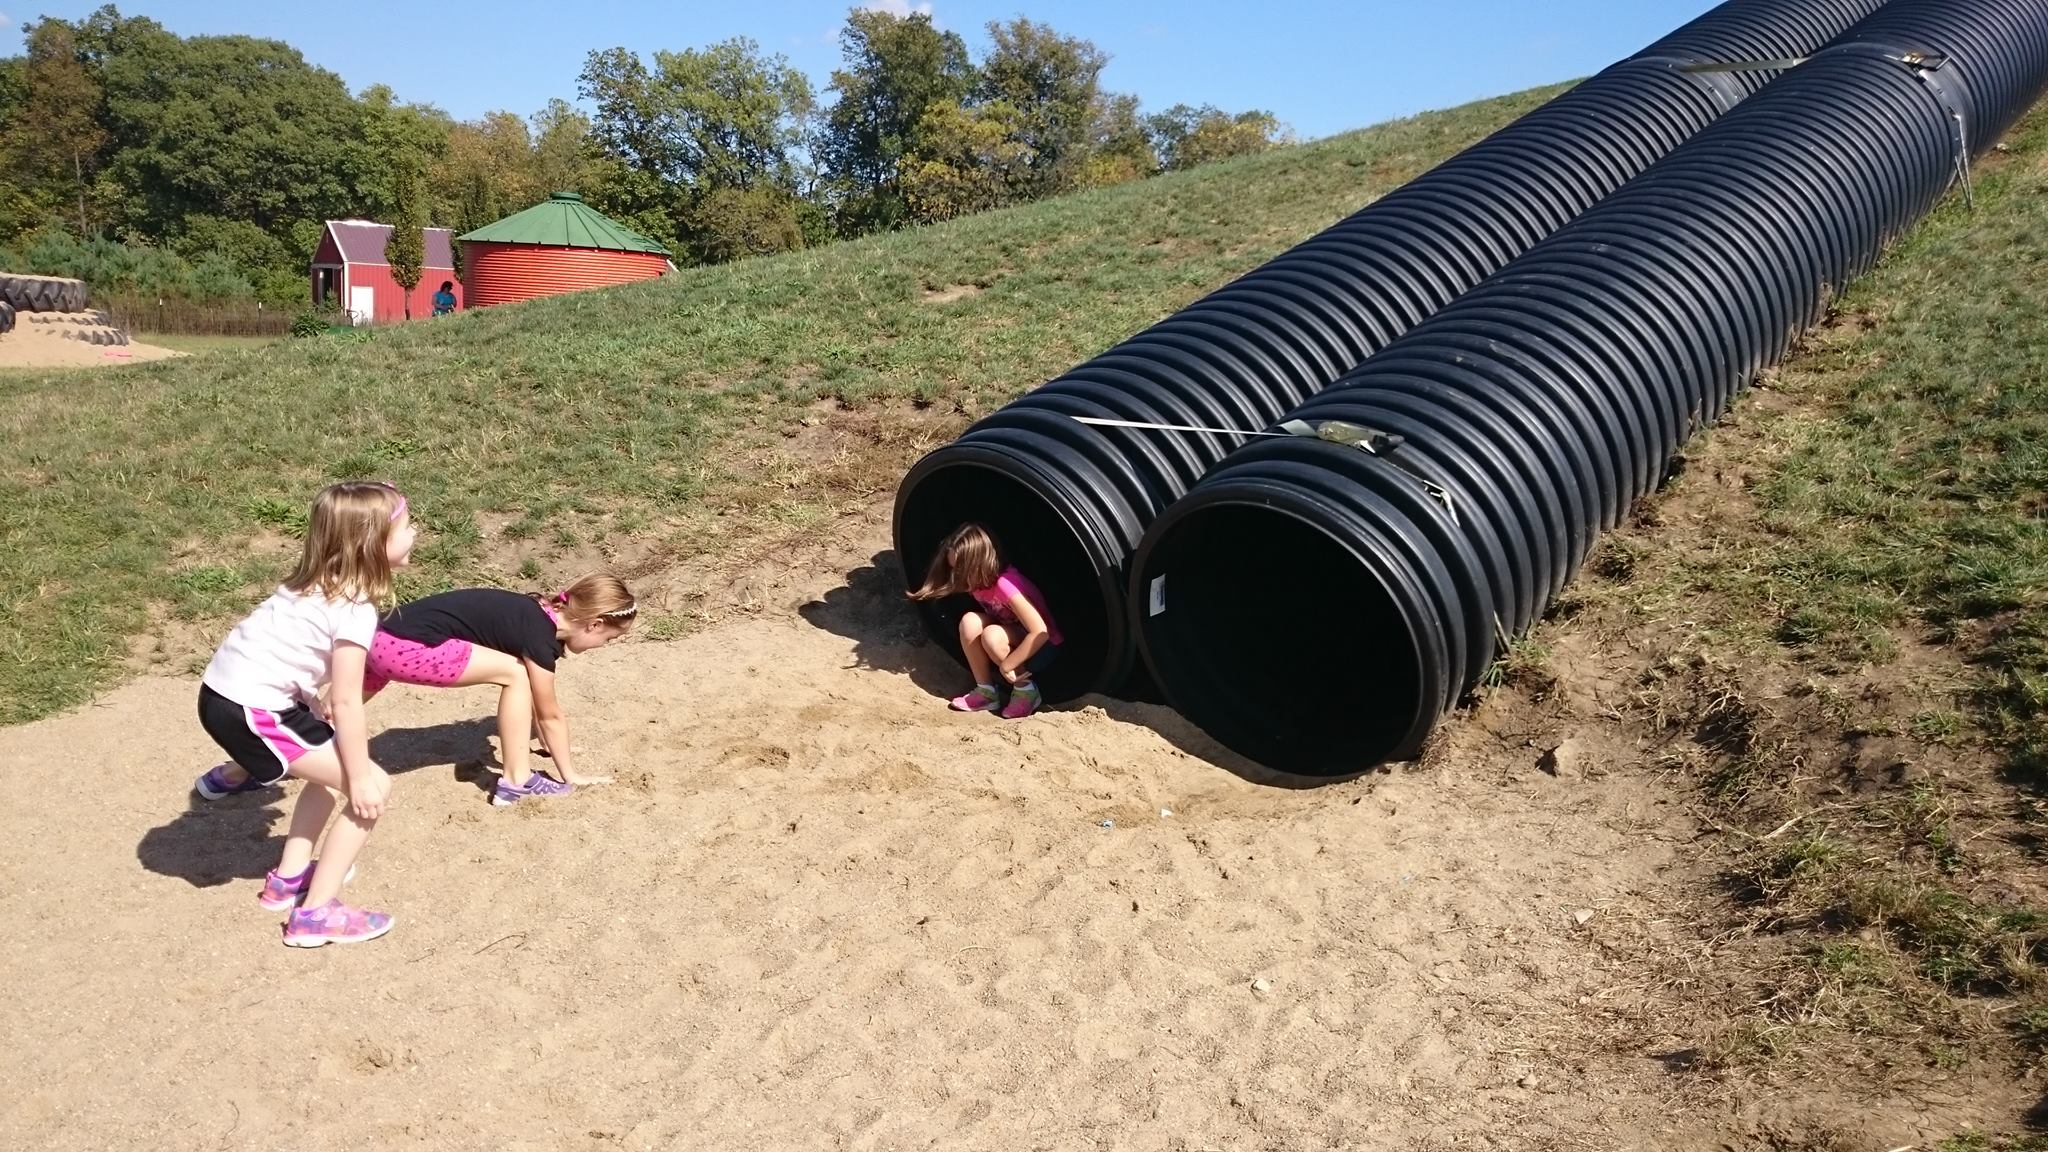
411	662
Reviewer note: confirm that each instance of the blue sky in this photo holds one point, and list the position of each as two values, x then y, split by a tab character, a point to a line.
1322	66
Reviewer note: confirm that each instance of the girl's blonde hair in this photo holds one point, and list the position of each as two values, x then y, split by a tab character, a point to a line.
966	560
598	596
346	535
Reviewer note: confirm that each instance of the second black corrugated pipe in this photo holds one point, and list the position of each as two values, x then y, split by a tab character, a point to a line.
1069	502
1317	606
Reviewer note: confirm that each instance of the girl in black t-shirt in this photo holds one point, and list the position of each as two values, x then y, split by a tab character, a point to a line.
490	636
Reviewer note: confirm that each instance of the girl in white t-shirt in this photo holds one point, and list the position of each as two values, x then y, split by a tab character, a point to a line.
259	696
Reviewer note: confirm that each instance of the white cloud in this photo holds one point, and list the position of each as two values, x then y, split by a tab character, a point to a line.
898	7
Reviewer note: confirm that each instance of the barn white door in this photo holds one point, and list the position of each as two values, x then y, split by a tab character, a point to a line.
362	304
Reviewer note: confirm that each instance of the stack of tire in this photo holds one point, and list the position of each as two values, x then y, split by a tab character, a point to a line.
42	293
53	300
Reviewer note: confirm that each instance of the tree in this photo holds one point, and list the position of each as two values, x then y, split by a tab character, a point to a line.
402	141
1185	137
561	137
895	69
972	160
699	123
234	127
722	117
1052	83
52	137
406	250
734	223
1119	151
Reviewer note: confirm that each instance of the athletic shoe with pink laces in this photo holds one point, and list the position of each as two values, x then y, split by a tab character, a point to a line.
282	892
982	699
333	923
539	784
1024	700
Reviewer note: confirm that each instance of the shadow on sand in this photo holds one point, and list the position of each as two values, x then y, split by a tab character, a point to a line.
213	842
870	610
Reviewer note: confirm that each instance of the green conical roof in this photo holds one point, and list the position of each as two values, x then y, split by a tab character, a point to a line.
564	221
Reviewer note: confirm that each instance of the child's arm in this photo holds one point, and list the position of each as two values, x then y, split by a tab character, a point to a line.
554	725
1035	636
368	785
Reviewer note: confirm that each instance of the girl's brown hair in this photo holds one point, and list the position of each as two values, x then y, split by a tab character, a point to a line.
346	534
598	596
965	561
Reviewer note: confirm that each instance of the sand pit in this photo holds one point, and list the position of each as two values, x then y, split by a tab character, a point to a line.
29	347
817	910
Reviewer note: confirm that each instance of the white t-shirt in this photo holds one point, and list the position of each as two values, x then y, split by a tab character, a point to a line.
283	653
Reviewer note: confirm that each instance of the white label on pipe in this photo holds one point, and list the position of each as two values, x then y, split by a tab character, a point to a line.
1158	595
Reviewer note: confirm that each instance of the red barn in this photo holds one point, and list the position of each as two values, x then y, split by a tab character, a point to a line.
349	269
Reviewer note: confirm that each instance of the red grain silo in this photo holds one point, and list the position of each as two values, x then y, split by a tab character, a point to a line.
559	245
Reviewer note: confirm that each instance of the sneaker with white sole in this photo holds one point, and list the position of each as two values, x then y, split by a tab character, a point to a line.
334	923
540	785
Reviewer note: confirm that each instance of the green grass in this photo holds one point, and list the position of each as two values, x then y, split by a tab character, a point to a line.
203	345
627	412
1878	583
1911	485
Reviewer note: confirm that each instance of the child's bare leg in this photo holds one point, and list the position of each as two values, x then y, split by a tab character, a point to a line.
234	774
344	842
995	641
321	770
515	706
515	721
972	629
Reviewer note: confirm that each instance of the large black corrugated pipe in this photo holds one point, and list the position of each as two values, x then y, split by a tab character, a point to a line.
1318	606
1070	501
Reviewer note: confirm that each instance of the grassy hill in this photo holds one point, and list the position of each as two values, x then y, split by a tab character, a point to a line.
638	416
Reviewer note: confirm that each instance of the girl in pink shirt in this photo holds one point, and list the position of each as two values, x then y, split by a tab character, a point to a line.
1011	636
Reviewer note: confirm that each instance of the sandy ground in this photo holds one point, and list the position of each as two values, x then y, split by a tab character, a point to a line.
28	347
817	910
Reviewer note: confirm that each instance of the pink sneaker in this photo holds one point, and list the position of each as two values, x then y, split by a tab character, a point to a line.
282	892
333	923
1024	700
982	699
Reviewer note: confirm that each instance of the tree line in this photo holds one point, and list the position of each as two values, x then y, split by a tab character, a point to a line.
203	166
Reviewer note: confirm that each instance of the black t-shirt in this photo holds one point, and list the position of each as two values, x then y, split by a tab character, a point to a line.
508	622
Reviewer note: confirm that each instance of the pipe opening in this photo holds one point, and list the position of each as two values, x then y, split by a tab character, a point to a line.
1032	536
1278	641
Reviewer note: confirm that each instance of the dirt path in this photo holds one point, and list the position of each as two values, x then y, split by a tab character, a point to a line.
819	911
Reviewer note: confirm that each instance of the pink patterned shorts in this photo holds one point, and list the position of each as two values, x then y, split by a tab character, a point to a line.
411	662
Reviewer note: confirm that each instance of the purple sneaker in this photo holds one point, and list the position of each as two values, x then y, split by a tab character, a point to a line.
213	784
539	784
334	923
282	892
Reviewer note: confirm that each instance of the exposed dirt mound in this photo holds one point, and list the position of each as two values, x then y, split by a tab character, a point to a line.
71	340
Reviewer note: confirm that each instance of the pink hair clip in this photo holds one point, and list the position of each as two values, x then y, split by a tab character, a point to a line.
403	503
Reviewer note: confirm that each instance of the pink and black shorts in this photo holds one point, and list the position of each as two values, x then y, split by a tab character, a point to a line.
263	742
411	662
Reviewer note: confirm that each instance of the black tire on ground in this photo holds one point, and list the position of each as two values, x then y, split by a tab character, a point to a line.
120	337
6	317
43	293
